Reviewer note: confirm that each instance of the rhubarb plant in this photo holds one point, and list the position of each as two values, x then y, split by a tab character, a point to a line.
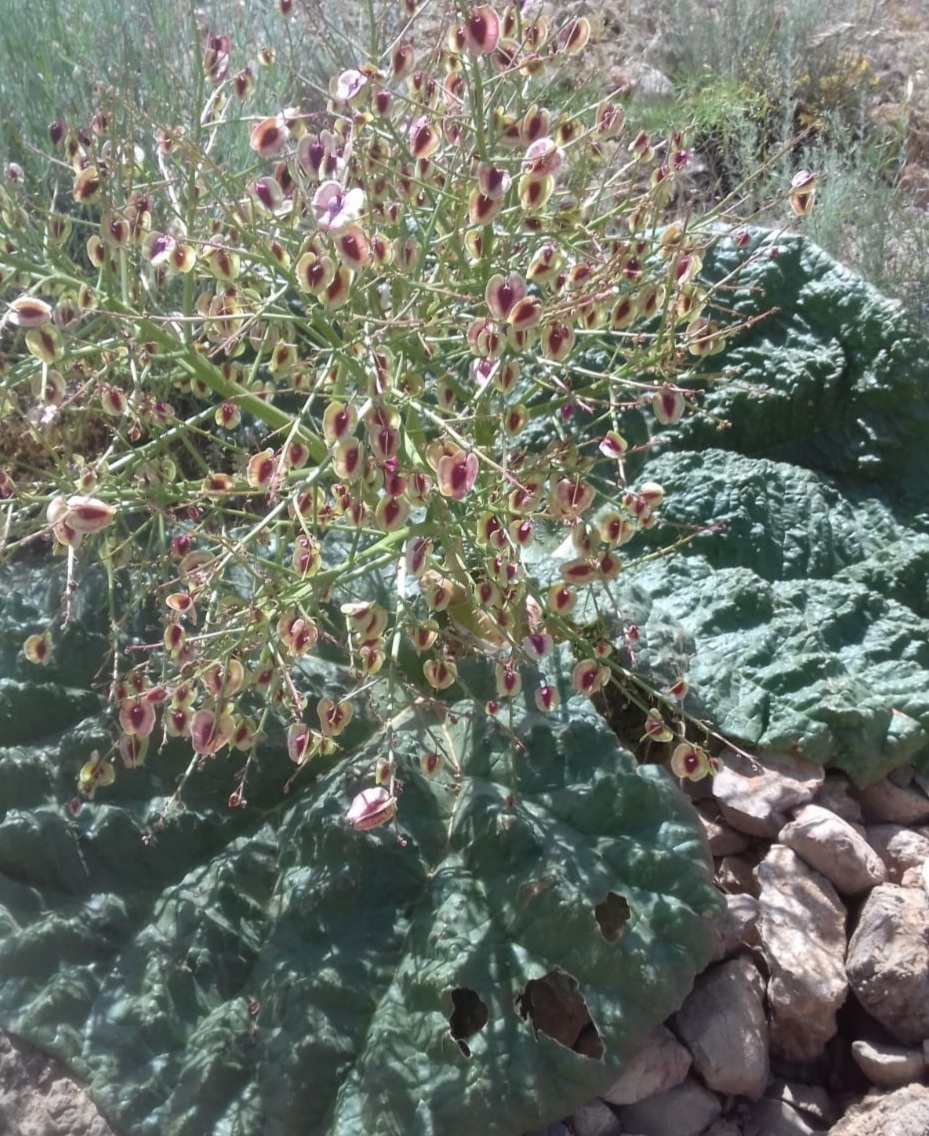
341	460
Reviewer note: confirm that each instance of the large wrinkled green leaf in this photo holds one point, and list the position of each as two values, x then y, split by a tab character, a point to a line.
268	970
803	617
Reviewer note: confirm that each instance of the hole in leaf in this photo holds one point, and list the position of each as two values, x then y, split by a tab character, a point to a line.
556	1007
612	915
468	1017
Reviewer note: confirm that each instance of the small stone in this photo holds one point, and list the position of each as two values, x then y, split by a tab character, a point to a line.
810	1100
595	1119
647	81
724	1128
660	1063
723	838
737	925
901	776
736	875
829	844
802	928
900	848
888	961
888	803
888	1066
835	794
722	1023
685	1110
904	1112
775	1118
759	805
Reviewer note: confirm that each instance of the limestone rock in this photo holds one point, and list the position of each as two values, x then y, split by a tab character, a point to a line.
595	1119
888	1066
723	838
812	1102
660	1062
723	1024
900	848
38	1099
802	928
835	794
775	1118
724	1128
829	844
888	961
892	804
759	805
738	924
685	1110
904	1112
736	875
643	80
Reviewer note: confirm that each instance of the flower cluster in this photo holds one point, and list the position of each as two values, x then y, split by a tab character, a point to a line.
395	355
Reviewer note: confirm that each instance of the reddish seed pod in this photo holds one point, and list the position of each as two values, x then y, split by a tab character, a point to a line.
431	764
547	698
371	808
509	683
656	730
38	648
88	514
481	30
690	762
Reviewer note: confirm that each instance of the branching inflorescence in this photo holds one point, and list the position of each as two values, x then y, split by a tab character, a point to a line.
331	402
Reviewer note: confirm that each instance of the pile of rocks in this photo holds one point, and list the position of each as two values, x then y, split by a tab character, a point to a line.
814	1017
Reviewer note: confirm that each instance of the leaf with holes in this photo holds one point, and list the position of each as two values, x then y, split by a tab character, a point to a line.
483	967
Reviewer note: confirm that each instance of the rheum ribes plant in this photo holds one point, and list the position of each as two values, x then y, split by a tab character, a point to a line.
334	402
